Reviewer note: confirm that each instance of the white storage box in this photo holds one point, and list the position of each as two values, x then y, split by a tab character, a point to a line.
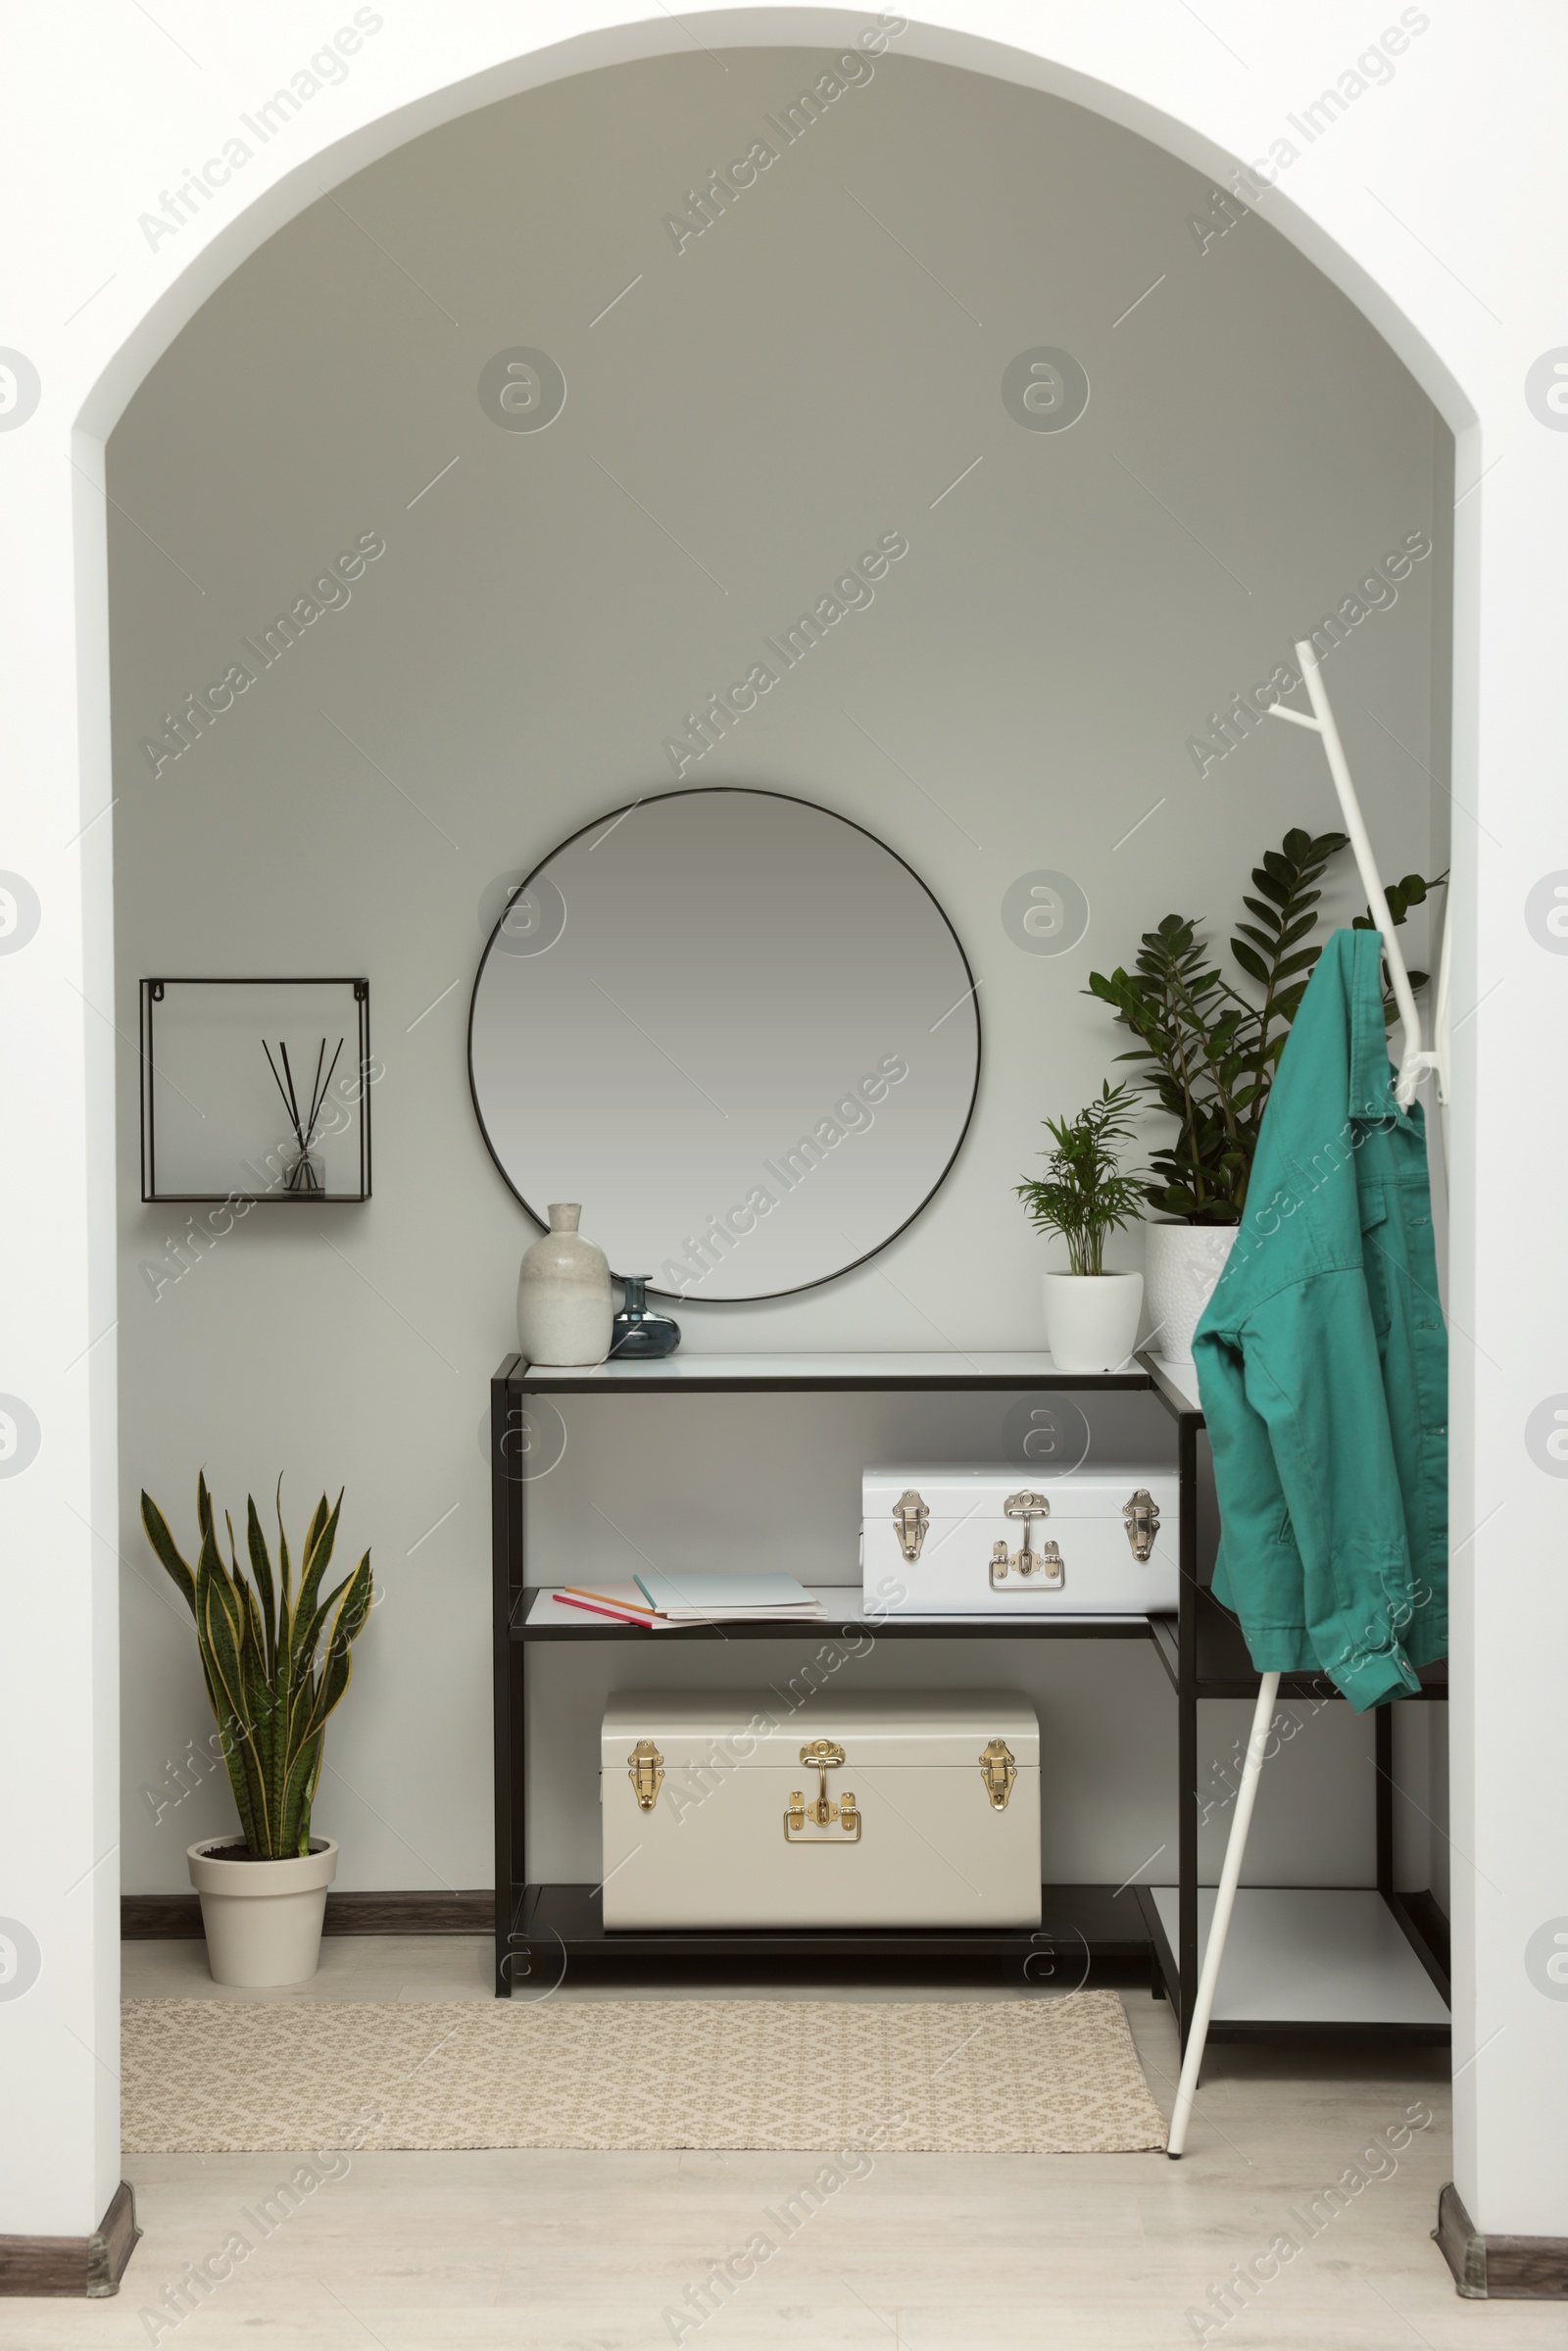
953	1542
725	1809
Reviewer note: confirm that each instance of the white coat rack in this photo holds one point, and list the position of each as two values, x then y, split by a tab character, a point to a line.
1412	1068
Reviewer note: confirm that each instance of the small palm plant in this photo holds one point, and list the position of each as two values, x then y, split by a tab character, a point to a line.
1083	1194
269	1694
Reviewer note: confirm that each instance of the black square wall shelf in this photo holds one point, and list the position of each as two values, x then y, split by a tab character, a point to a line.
227	1065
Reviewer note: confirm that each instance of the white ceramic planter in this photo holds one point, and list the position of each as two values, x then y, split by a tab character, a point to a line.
1091	1318
262	1919
1184	1263
563	1304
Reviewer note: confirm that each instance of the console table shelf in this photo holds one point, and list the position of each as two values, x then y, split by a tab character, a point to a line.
554	1925
1389	1987
535	1617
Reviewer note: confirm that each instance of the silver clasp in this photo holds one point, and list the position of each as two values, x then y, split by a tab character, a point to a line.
1046	1564
912	1518
1141	1515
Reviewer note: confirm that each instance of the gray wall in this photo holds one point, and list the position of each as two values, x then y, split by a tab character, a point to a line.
814	369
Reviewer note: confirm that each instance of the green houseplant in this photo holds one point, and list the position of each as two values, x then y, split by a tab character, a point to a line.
1209	1044
1208	1048
1091	1315
275	1661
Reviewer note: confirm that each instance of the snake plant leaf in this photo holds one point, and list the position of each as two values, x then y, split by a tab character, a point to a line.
217	1628
282	1565
262	1570
294	1834
314	1562
312	1632
167	1551
353	1609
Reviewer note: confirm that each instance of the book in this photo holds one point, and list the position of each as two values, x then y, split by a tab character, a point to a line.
726	1599
624	1604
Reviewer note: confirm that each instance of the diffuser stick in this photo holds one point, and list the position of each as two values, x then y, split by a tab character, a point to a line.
293	1097
293	1114
320	1097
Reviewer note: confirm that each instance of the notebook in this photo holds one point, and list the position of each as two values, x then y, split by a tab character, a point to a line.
725	1598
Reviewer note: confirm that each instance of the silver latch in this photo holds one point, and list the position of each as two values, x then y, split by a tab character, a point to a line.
912	1518
1141	1517
1046	1564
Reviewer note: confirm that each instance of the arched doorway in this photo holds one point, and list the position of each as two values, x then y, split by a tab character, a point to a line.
424	98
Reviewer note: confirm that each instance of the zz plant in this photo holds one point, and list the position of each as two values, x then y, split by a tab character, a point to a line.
271	1692
1209	1051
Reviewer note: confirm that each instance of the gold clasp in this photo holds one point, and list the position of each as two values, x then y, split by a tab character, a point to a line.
821	1812
827	1755
911	1519
1141	1517
999	1771
645	1772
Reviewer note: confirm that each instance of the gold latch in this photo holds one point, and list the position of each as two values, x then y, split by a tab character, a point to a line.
911	1519
645	1772
1141	1516
1046	1564
802	1817
999	1771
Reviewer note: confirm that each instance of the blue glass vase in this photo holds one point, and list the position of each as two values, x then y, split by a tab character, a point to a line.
635	1334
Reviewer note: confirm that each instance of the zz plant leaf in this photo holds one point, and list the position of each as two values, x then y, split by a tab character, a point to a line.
275	1662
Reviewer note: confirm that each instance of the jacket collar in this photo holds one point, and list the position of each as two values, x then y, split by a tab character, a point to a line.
1372	1093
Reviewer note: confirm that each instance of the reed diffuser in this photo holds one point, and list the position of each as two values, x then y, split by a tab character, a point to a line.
303	1173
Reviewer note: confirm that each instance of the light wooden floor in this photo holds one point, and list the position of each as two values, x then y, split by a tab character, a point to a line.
585	2252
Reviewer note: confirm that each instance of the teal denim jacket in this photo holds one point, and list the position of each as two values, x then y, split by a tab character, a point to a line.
1322	1362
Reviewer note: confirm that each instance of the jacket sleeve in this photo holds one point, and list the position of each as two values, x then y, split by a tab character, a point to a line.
1312	1375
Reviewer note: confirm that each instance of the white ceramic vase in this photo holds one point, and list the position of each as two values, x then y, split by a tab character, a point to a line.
1184	1263
262	1919
1092	1319
563	1304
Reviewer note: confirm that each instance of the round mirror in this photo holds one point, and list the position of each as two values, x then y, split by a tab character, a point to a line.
738	1029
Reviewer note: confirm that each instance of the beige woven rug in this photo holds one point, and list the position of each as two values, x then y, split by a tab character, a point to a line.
1045	2077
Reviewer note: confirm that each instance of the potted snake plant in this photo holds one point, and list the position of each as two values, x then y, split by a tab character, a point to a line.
1091	1315
275	1661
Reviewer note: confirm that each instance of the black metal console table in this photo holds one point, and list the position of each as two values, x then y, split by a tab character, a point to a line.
543	1929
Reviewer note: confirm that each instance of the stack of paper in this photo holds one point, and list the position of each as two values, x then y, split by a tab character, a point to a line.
693	1599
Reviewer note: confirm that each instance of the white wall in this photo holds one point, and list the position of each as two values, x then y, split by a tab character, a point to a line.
768	401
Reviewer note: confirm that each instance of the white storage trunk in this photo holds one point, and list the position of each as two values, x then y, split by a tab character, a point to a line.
953	1542
896	1809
